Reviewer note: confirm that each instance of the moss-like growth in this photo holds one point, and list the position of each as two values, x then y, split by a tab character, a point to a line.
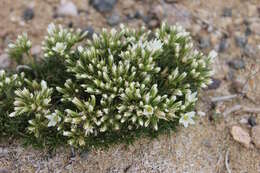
118	86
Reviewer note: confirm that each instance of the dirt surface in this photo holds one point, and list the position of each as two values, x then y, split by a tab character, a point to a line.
231	27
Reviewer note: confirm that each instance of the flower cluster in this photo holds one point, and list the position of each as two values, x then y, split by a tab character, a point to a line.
34	101
18	48
123	80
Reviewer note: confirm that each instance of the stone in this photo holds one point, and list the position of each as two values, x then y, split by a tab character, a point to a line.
114	19
5	61
255	27
28	14
215	84
36	50
237	64
171	1
227	12
223	45
241	136
84	154
90	31
3	170
252	121
204	42
3	152
241	41
255	132
67	8
243	121
248	31
103	5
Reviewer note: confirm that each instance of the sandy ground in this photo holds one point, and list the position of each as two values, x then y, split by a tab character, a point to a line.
201	148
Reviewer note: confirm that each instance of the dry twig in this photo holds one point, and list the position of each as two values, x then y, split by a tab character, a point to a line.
223	98
226	162
232	109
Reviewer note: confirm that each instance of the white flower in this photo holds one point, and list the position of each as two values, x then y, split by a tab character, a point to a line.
53	119
51	28
187	119
59	48
154	45
191	97
148	110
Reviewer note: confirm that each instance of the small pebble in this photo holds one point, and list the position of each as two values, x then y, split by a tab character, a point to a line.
67	8
28	14
5	61
215	84
90	31
241	41
114	19
204	42
3	170
237	64
256	136
252	121
84	154
223	45
227	12
36	50
241	136
103	5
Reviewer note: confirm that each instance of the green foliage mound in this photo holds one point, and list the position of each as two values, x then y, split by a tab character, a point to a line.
118	86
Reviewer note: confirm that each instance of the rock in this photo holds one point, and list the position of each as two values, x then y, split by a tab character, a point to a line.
215	84
223	45
171	1
237	86
28	14
84	154
5	61
237	64
103	5
114	19
3	170
67	8
227	12
36	50
241	136
204	42
256	136
3	152
70	24
252	121
255	27
241	41
248	31
243	121
90	31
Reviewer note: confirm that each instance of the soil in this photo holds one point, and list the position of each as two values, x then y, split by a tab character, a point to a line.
201	148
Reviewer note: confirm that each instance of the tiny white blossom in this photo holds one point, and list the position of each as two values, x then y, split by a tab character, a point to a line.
53	119
148	110
51	28
154	45
59	48
187	119
191	97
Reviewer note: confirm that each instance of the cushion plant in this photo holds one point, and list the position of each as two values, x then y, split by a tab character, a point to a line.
117	86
